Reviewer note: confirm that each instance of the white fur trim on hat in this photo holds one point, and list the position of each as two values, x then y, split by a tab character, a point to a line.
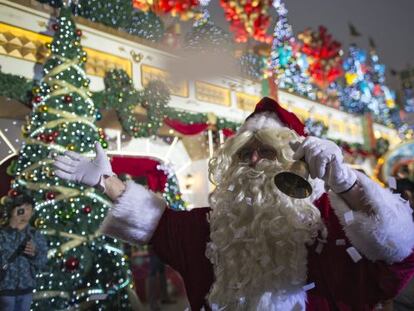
388	234
135	216
260	121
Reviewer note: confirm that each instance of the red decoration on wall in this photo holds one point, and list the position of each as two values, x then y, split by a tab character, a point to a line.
324	55
248	19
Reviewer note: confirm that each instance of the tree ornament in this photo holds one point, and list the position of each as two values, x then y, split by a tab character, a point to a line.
71	264
55	27
36	90
78	32
68	99
43	108
39	222
48	45
13	193
37	99
26	129
87	209
104	144
71	147
50	195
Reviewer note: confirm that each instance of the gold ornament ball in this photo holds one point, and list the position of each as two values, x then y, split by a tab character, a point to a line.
71	147
48	45
36	90
43	108
3	200
39	222
59	254
26	129
84	58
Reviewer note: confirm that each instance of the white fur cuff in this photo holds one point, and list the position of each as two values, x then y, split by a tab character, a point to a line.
388	234
260	121
135	216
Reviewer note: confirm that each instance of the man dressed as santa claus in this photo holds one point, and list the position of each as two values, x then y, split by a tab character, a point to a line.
347	247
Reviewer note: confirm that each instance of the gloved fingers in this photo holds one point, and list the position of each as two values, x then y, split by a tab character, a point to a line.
64	167
73	155
66	160
321	166
303	147
64	175
311	157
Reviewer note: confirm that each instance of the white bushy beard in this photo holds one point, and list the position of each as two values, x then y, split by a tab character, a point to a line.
258	237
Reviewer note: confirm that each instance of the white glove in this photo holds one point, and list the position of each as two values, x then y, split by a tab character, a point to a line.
325	161
74	167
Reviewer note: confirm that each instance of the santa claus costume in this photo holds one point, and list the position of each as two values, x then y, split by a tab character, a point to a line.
257	249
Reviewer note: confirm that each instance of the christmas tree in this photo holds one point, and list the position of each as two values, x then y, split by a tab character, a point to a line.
85	269
356	94
288	63
382	102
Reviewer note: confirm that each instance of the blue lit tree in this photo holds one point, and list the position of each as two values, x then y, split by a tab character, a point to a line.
356	94
382	102
288	63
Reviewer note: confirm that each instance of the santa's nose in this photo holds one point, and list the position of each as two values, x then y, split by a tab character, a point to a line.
255	157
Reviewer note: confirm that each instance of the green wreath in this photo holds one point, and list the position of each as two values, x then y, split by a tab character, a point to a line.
121	96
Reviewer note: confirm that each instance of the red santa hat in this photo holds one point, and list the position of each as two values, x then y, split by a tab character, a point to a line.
269	114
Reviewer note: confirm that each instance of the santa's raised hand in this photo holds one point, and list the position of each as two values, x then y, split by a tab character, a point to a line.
325	161
74	167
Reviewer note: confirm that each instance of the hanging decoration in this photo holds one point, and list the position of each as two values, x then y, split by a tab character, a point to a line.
184	9
248	19
324	56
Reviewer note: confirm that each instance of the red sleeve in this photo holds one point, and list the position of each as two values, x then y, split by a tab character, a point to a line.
180	241
347	284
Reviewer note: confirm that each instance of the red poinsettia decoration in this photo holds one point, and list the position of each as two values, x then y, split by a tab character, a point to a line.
324	56
248	18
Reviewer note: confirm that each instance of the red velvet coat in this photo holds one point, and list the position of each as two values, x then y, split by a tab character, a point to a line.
340	283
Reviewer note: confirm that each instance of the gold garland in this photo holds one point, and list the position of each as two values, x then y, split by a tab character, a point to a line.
66	64
75	241
69	115
66	87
